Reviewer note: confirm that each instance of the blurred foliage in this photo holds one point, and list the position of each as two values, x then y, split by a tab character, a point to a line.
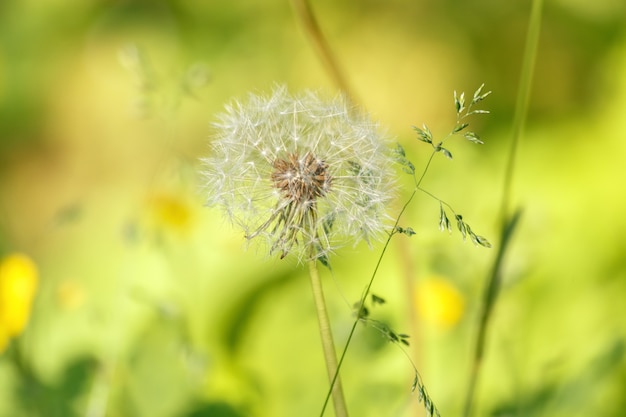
148	304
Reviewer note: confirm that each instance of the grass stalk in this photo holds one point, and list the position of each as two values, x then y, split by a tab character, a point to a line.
489	299
521	105
361	304
328	344
508	222
312	29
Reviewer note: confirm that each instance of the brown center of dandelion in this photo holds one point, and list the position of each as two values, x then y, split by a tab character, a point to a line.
301	179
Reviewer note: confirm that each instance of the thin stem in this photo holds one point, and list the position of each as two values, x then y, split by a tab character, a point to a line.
305	14
521	106
335	380
371	281
418	182
507	222
489	299
327	342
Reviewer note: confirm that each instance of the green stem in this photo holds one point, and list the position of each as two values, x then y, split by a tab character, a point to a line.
327	341
508	222
305	14
489	300
363	298
521	105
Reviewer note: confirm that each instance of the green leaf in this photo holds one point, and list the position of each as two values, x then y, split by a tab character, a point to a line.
473	237
377	300
459	127
415	381
422	392
392	336
363	312
399	150
439	148
478	95
461	225
446	152
476	239
478	111
444	222
459	102
409	231
409	168
424	134
400	156
473	137
421	135
482	241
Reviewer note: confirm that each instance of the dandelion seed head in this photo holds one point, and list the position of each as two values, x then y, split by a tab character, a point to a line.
300	174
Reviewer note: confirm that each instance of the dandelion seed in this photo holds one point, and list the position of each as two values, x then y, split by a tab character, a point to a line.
300	174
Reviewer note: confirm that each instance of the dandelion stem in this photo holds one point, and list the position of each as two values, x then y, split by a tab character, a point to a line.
327	342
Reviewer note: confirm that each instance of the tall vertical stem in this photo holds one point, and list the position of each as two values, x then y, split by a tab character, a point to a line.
521	105
327	341
304	13
507	220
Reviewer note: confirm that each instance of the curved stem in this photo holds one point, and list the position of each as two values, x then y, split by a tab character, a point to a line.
328	344
304	13
335	380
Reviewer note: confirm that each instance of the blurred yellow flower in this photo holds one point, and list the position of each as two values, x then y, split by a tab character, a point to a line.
171	212
18	284
439	302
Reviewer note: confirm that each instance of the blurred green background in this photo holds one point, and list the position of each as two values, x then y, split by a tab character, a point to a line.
147	303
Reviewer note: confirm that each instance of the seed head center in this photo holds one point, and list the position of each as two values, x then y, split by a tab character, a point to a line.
301	179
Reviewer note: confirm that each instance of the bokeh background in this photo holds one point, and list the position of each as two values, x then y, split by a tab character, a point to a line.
121	295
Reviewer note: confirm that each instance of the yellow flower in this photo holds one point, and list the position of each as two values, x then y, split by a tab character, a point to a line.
439	302
171	212
18	284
